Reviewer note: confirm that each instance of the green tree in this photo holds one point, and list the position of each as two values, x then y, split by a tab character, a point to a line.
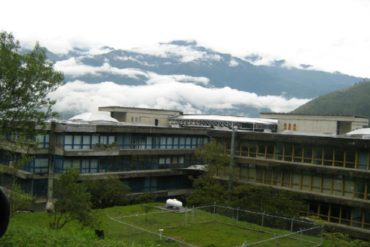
26	78
269	200
207	190
214	156
107	193
19	200
73	201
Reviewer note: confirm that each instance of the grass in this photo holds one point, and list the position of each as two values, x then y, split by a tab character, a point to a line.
200	228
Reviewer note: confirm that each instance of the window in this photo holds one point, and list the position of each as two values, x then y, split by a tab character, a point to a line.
68	140
41	165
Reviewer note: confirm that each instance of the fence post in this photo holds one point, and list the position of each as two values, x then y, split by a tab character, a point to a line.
291	224
237	214
192	214
263	219
214	207
186	217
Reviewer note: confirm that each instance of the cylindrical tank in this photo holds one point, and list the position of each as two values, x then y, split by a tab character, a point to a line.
173	203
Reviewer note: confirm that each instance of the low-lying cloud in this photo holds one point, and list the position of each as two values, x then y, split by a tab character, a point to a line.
79	96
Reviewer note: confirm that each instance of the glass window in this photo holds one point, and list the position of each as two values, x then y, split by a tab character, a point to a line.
296	181
68	141
182	142
194	142
85	166
188	142
86	142
176	142
93	166
111	140
76	164
163	143
169	142
67	165
181	159
95	139
77	142
326	185
41	165
103	140
338	185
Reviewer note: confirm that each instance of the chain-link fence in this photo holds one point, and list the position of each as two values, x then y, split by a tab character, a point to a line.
193	226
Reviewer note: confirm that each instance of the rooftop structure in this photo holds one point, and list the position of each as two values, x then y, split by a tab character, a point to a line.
146	116
316	124
217	121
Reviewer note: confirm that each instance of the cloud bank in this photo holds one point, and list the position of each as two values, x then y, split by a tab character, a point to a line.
79	96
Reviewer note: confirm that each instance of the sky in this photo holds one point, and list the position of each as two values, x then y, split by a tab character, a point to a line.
332	35
329	35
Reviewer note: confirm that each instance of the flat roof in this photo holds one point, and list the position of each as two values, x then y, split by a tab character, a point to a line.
226	118
123	108
311	115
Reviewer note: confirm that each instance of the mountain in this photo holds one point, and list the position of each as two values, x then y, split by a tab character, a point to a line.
188	58
185	76
354	100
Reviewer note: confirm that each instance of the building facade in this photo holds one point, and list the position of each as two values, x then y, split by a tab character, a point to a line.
332	173
151	151
315	124
147	158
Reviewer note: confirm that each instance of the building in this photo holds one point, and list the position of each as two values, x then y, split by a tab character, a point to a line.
148	155
133	115
332	173
151	150
228	122
316	124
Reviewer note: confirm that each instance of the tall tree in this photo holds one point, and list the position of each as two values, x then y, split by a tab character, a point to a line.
26	78
73	201
107	193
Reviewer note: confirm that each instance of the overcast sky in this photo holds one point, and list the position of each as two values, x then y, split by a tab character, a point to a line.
330	34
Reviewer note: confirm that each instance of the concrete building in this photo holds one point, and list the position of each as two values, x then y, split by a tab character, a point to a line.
331	172
315	124
143	116
147	157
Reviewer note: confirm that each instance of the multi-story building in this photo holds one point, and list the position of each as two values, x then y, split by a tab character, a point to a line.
332	173
146	155
151	150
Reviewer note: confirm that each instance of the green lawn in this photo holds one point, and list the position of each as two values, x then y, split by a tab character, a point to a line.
199	228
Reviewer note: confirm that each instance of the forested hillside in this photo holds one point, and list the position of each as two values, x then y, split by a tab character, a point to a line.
354	100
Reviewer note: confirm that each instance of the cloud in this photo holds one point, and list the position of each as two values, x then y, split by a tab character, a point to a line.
73	67
233	63
79	96
184	53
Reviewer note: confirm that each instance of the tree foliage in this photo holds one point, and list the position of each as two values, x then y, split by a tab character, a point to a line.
214	156
212	187
25	80
18	199
73	201
351	101
107	193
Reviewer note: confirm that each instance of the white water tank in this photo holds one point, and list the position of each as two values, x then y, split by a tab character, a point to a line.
173	203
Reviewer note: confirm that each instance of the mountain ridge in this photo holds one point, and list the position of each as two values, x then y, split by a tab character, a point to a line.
222	69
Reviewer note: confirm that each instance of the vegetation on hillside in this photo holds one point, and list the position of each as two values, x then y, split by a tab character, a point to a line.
354	100
31	229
